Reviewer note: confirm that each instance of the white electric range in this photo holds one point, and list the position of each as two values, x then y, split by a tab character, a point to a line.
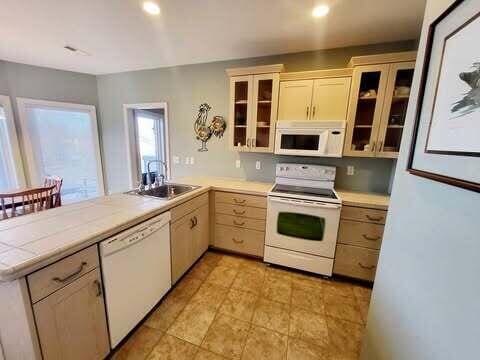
303	215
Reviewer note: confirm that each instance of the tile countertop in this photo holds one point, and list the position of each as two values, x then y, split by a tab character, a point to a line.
369	200
30	242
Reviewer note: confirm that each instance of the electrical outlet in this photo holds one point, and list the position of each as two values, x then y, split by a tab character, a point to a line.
237	164
258	165
192	160
176	160
187	161
350	170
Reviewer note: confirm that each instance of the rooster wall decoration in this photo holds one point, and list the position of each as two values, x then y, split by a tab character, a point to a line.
203	131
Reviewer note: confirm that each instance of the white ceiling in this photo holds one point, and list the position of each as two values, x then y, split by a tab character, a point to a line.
121	37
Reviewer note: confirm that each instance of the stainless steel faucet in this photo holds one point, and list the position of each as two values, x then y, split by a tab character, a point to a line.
149	182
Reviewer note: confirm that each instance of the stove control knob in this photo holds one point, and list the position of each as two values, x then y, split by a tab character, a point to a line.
281	168
286	168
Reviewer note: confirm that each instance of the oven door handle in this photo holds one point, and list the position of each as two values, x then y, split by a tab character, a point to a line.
307	204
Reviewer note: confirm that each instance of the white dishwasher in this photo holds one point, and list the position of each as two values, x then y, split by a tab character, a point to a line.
136	273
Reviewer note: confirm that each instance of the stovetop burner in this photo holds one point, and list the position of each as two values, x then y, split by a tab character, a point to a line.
306	191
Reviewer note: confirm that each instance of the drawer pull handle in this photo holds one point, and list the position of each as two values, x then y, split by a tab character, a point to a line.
237	223
366	267
374	218
366	237
237	241
99	288
238	212
239	201
72	275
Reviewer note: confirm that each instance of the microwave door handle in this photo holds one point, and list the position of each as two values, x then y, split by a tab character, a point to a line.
322	148
306	204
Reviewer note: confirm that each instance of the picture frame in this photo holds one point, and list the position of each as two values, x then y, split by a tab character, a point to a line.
446	134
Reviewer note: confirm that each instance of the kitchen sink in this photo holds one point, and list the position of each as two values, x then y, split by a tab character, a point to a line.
166	191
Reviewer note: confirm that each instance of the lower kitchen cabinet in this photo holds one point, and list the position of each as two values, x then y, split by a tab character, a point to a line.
240	223
359	240
189	235
71	322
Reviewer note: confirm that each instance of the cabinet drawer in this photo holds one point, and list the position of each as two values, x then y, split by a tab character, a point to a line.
355	262
242	222
181	210
241	211
240	199
360	234
244	241
363	214
53	277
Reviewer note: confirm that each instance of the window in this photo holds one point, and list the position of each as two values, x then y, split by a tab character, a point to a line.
62	139
147	140
11	168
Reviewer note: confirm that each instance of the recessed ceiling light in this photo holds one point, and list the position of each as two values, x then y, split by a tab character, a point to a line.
320	11
151	8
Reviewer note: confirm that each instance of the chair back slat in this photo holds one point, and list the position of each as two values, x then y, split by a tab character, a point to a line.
57	181
27	201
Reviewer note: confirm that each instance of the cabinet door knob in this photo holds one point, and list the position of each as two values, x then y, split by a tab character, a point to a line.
192	223
237	201
238	223
373	146
313	112
248	143
238	212
308	111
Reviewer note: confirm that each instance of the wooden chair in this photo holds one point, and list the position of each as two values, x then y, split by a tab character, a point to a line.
57	181
26	201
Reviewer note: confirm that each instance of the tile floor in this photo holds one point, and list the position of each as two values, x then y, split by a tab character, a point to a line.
228	307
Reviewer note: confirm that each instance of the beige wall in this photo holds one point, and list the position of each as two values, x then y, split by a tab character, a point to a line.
186	87
425	302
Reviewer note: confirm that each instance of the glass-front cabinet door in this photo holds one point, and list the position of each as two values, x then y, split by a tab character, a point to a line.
262	127
394	109
241	94
366	103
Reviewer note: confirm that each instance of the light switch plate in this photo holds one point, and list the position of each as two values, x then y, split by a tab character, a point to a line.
237	164
192	160
176	160
350	170
258	165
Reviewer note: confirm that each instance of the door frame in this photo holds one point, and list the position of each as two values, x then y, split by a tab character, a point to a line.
15	154
130	133
33	172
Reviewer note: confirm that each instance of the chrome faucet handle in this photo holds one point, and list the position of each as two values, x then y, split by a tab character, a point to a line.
140	186
157	182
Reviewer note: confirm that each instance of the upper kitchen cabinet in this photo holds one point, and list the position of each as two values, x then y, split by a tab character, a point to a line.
314	95
378	103
253	107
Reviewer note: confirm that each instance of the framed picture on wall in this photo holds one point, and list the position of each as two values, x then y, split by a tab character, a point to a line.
446	141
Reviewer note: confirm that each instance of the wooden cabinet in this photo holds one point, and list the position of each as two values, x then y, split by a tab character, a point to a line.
240	223
71	322
295	100
359	239
253	107
314	95
189	234
378	104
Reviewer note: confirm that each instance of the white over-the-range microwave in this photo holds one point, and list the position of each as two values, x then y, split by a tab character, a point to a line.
310	138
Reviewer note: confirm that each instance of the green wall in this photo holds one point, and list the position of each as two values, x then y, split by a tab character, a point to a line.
186	87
